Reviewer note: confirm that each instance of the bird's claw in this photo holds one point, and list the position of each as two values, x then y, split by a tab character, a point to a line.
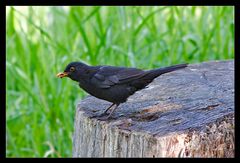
103	116
99	115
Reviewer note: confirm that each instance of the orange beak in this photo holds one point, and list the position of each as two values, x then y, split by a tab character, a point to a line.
62	74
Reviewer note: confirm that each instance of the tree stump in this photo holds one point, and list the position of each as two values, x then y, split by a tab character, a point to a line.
185	113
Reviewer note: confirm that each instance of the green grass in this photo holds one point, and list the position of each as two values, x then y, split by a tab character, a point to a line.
42	40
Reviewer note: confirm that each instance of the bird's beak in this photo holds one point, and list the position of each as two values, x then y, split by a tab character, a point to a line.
62	74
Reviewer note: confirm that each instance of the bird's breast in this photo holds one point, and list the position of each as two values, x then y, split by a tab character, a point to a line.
115	93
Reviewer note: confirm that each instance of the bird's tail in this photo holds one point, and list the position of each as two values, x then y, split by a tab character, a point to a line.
159	71
149	75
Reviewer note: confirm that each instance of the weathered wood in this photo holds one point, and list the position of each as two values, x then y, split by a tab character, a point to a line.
186	113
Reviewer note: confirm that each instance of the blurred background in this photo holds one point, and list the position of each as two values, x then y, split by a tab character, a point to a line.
41	41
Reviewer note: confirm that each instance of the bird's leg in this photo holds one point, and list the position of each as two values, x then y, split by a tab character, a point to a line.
108	108
112	111
102	114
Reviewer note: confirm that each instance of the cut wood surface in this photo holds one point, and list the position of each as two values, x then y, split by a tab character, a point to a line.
185	113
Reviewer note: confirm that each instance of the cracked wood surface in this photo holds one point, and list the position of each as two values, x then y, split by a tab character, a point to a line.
185	113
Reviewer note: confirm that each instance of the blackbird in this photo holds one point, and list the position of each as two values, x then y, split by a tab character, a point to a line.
113	84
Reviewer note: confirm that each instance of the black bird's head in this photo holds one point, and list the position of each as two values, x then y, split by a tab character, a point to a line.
73	71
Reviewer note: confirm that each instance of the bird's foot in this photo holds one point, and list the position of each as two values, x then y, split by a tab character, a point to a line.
103	118
97	115
104	114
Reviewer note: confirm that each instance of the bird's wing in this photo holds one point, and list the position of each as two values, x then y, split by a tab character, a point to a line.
108	76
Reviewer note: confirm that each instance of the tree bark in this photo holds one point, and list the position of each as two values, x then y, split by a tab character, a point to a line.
185	113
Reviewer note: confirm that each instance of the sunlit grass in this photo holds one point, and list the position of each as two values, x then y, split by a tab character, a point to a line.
42	40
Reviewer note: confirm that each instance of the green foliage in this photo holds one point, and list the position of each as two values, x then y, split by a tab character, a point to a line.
41	41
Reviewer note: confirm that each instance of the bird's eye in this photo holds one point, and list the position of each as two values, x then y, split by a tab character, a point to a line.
72	69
